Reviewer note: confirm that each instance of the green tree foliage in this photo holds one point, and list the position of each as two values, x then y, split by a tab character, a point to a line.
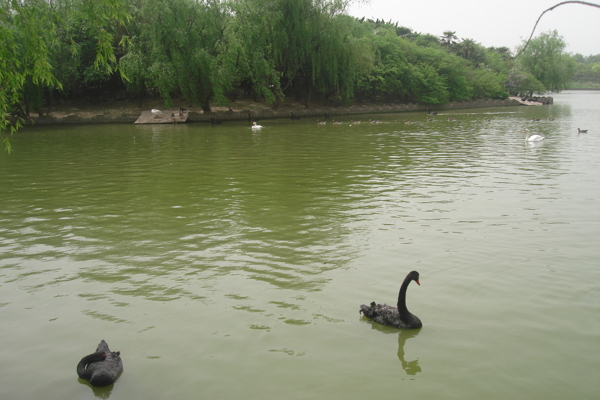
338	60
313	48
520	82
426	40
250	44
422	68
449	38
586	72
209	51
29	33
25	31
180	46
486	83
503	52
545	58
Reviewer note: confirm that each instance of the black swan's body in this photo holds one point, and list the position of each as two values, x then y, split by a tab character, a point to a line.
399	316
101	368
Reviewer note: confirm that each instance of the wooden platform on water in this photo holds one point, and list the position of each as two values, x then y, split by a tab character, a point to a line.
525	102
166	117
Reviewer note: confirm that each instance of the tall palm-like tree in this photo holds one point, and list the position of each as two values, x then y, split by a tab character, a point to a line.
468	48
449	38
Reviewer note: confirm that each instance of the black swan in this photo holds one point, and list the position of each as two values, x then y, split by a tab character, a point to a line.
101	368
399	316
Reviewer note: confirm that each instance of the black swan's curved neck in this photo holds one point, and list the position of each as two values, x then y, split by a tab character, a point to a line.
402	298
82	370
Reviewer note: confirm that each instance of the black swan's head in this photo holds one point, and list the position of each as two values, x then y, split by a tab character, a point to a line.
414	275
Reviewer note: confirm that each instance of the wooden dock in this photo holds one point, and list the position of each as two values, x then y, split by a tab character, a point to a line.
525	102
165	117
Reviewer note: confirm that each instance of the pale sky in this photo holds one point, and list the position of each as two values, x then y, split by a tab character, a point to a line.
492	23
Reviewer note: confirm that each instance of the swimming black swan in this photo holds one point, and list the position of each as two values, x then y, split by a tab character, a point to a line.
398	317
101	368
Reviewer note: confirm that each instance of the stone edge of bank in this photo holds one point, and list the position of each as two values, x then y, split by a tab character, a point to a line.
304	113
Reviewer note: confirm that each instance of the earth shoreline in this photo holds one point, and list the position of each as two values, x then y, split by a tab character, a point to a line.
128	112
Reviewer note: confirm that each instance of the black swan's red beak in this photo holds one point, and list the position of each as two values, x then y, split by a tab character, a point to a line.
418	283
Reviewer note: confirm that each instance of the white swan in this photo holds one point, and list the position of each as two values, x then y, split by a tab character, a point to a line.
155	112
256	126
534	138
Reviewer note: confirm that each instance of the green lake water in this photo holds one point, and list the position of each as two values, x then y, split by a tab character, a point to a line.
227	263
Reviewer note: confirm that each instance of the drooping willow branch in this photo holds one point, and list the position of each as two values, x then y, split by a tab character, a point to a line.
585	3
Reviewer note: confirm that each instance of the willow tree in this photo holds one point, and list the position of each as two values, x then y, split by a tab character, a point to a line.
294	24
24	34
177	48
251	47
338	59
310	45
545	58
27	33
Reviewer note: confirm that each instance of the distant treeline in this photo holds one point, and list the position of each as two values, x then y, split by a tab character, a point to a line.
211	52
587	72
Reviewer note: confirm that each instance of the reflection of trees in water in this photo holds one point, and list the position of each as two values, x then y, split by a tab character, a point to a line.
278	219
166	217
410	367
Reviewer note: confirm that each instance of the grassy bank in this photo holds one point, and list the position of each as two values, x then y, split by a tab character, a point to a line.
595	85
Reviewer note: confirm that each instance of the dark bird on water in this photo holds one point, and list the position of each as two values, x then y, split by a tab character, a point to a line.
102	367
399	316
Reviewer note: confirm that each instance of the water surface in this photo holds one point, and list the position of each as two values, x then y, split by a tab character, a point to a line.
226	263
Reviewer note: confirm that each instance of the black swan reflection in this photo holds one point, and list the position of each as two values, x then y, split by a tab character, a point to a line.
399	316
102	367
410	367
